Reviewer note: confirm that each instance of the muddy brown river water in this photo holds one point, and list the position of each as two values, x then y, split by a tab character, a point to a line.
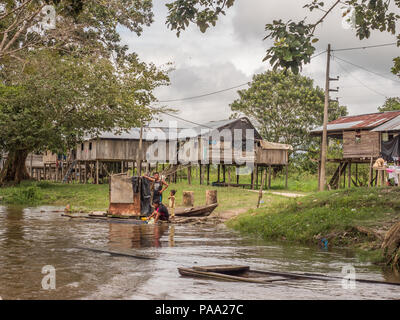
32	238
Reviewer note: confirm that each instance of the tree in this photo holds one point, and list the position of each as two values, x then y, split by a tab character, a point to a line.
285	107
53	100
86	26
391	104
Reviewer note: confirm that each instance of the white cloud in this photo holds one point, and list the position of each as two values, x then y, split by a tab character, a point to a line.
232	52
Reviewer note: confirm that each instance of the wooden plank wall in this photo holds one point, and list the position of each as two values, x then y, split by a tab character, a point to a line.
368	146
272	157
121	150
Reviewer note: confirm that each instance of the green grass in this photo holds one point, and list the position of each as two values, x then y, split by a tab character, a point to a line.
319	215
79	196
89	197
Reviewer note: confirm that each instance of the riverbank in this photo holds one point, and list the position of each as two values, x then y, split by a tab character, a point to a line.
354	218
89	197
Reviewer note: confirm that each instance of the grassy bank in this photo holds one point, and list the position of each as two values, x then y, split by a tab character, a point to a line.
353	218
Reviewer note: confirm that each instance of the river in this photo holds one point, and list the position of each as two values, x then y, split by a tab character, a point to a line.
32	238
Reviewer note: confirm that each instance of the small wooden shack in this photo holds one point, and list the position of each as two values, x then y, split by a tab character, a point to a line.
362	137
123	200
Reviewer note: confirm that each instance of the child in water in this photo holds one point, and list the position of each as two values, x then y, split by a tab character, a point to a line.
171	204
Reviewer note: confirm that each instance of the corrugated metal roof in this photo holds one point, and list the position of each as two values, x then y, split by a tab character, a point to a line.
149	134
364	121
392	125
163	133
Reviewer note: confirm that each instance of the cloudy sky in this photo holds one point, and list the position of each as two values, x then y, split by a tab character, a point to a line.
231	53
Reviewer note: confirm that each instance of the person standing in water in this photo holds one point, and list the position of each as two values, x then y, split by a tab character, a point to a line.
159	186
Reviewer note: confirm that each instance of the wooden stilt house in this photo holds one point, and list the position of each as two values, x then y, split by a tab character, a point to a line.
362	137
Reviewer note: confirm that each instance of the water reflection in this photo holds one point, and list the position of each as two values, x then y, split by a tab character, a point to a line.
127	236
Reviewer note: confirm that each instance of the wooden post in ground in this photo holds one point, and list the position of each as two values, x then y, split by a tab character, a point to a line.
340	175
252	179
237	175
188	198
201	173
349	175
357	174
97	171
370	173
189	175
224	172
286	177
211	197
229	176
256	177
208	174
261	188
269	176
219	173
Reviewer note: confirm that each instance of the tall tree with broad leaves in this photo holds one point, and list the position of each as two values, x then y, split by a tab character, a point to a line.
285	107
53	100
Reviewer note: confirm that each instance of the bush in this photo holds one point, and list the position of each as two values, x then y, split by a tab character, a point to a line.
27	195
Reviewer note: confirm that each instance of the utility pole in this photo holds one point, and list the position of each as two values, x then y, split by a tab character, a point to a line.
324	145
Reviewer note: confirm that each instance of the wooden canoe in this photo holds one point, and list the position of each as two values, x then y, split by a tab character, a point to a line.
245	274
229	273
202	211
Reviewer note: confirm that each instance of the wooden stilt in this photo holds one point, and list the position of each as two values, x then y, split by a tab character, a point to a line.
252	178
269	177
256	177
189	175
370	173
349	175
208	174
261	188
97	171
219	173
286	176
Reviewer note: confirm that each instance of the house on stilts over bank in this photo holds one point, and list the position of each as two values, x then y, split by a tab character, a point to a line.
365	138
223	145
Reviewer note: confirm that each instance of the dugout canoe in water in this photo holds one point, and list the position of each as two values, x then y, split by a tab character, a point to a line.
202	211
245	274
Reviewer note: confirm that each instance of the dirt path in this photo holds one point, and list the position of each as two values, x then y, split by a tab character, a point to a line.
283	194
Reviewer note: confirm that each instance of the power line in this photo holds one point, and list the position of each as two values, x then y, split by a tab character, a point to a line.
206	94
182	119
365	69
364	85
219	91
367	47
